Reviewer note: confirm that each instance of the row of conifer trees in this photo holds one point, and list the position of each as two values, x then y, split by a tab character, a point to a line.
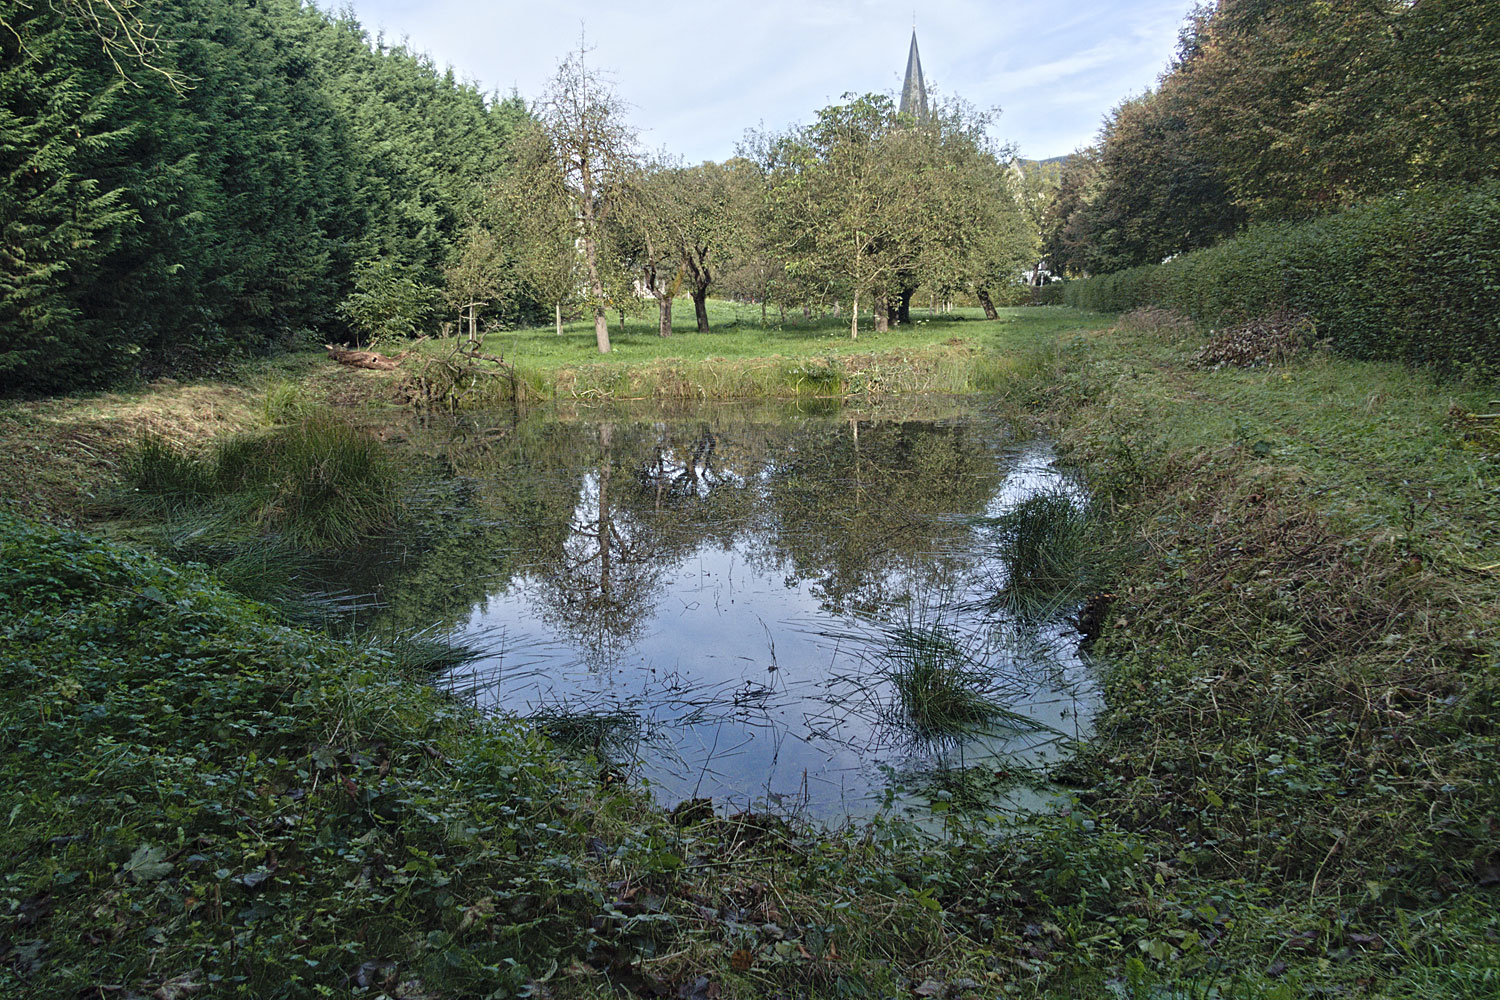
178	180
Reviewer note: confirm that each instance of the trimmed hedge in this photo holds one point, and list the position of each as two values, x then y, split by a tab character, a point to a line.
1412	277
1050	294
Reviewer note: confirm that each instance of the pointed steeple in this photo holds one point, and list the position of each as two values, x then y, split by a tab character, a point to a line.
914	90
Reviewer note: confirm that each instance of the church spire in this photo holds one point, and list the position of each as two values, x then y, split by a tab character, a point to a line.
914	90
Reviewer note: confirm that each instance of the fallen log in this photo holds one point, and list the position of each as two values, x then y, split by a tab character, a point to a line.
365	359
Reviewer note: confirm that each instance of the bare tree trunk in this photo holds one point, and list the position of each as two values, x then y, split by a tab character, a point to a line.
591	260
983	295
700	308
664	311
854	317
903	310
882	310
601	329
763	311
622	318
557	315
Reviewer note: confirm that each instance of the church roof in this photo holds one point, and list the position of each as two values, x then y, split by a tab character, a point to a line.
914	90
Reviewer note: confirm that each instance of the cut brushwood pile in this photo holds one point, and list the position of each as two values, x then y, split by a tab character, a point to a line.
1265	342
446	381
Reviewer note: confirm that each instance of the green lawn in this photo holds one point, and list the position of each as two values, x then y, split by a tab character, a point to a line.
739	357
736	332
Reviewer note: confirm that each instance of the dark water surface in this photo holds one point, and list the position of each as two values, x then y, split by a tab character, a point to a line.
710	599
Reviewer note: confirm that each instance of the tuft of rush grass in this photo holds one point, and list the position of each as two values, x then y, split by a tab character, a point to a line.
1048	545
318	483
419	652
940	688
610	737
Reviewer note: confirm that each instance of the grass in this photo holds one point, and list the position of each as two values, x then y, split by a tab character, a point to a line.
1049	550
740	358
318	483
68	449
940	689
611	737
1303	645
1292	791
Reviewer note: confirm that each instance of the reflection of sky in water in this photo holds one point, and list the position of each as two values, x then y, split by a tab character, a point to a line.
749	689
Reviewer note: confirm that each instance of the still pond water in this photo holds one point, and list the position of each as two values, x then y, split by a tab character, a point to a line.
710	600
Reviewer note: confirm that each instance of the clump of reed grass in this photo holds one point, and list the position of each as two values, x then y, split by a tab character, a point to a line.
422	651
1047	543
940	688
316	484
164	476
609	736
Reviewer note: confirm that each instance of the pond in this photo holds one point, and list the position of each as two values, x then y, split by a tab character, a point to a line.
720	603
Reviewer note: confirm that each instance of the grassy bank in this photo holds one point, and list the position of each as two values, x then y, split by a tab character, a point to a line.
65	452
1302	648
68	448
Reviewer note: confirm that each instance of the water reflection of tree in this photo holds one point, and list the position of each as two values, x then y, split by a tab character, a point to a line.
473	521
864	509
600	586
594	514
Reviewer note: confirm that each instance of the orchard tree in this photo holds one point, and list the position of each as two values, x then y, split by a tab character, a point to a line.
845	201
534	210
644	231
584	122
710	222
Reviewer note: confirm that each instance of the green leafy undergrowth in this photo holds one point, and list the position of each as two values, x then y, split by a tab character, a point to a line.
199	793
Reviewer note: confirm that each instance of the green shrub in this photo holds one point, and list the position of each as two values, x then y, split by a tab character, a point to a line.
1009	296
1050	294
1412	277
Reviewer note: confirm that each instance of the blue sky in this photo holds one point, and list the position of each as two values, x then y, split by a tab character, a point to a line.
698	74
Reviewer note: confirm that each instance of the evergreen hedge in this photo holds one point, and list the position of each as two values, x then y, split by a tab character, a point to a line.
1411	277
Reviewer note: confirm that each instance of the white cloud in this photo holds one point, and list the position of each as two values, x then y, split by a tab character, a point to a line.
698	74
